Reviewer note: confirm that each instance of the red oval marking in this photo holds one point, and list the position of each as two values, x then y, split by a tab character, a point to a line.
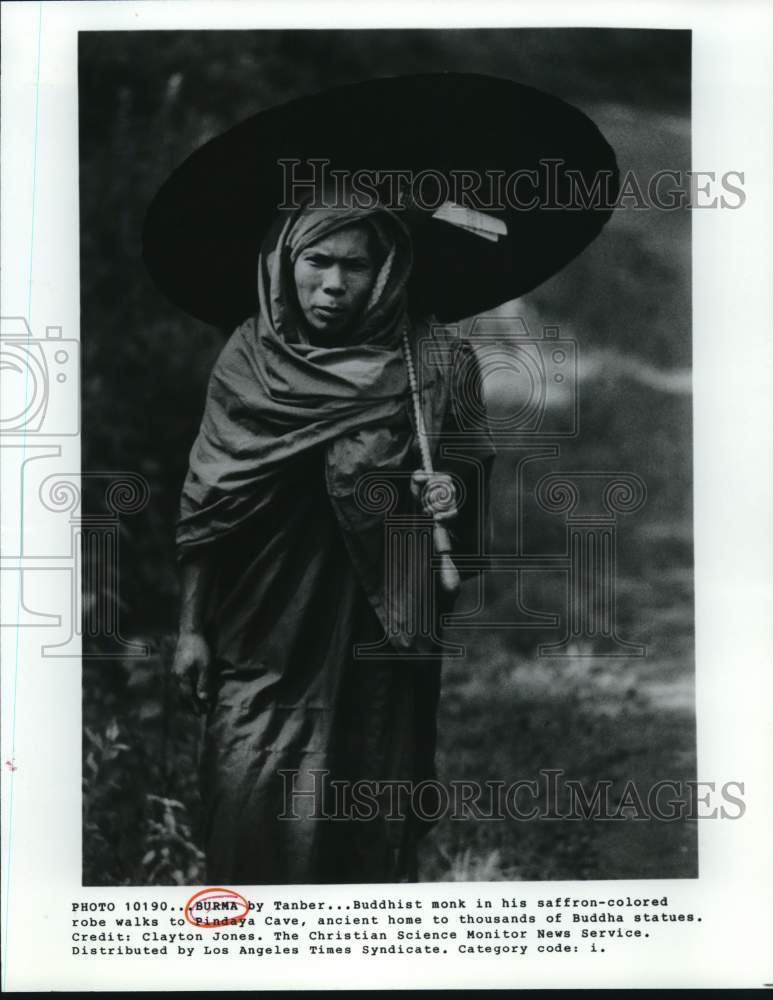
211	915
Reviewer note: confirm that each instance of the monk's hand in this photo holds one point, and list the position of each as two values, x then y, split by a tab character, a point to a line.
192	668
436	493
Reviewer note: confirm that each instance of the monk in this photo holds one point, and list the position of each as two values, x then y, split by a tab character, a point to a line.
294	642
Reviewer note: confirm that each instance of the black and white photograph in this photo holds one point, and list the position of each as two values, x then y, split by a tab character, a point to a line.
386	424
390	331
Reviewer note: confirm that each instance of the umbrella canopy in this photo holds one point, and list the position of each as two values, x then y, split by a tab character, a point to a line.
547	180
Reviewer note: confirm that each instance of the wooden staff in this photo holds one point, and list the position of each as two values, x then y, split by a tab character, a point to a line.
449	574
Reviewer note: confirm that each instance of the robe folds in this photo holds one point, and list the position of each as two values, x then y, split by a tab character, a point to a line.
298	586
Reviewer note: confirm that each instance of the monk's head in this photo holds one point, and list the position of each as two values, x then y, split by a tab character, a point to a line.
334	278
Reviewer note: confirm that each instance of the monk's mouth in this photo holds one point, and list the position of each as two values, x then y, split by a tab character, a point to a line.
330	312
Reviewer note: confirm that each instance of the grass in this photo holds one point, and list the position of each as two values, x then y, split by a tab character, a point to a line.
504	716
592	720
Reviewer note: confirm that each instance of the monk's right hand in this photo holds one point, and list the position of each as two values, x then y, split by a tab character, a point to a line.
192	668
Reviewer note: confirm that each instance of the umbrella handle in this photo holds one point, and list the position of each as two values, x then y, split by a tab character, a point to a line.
449	574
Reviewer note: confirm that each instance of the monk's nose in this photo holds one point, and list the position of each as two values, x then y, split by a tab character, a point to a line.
333	282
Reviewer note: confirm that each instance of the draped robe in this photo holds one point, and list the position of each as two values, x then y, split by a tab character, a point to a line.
299	717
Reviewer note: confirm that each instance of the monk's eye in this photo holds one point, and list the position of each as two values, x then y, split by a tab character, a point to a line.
316	261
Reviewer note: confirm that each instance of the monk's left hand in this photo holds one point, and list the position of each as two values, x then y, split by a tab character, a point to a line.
436	493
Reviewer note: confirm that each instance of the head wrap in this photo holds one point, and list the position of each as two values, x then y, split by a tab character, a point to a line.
380	322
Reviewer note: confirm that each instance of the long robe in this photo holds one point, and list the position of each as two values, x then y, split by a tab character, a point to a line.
304	453
287	609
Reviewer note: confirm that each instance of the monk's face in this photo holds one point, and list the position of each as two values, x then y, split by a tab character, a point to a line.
334	278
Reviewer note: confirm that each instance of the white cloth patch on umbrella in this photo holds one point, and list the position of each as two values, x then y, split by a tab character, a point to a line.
486	226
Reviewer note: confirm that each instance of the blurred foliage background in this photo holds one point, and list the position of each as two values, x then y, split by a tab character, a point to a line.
147	99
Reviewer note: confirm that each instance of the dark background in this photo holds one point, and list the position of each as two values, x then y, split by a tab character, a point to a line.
147	99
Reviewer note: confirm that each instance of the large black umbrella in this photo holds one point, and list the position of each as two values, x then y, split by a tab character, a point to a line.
546	172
